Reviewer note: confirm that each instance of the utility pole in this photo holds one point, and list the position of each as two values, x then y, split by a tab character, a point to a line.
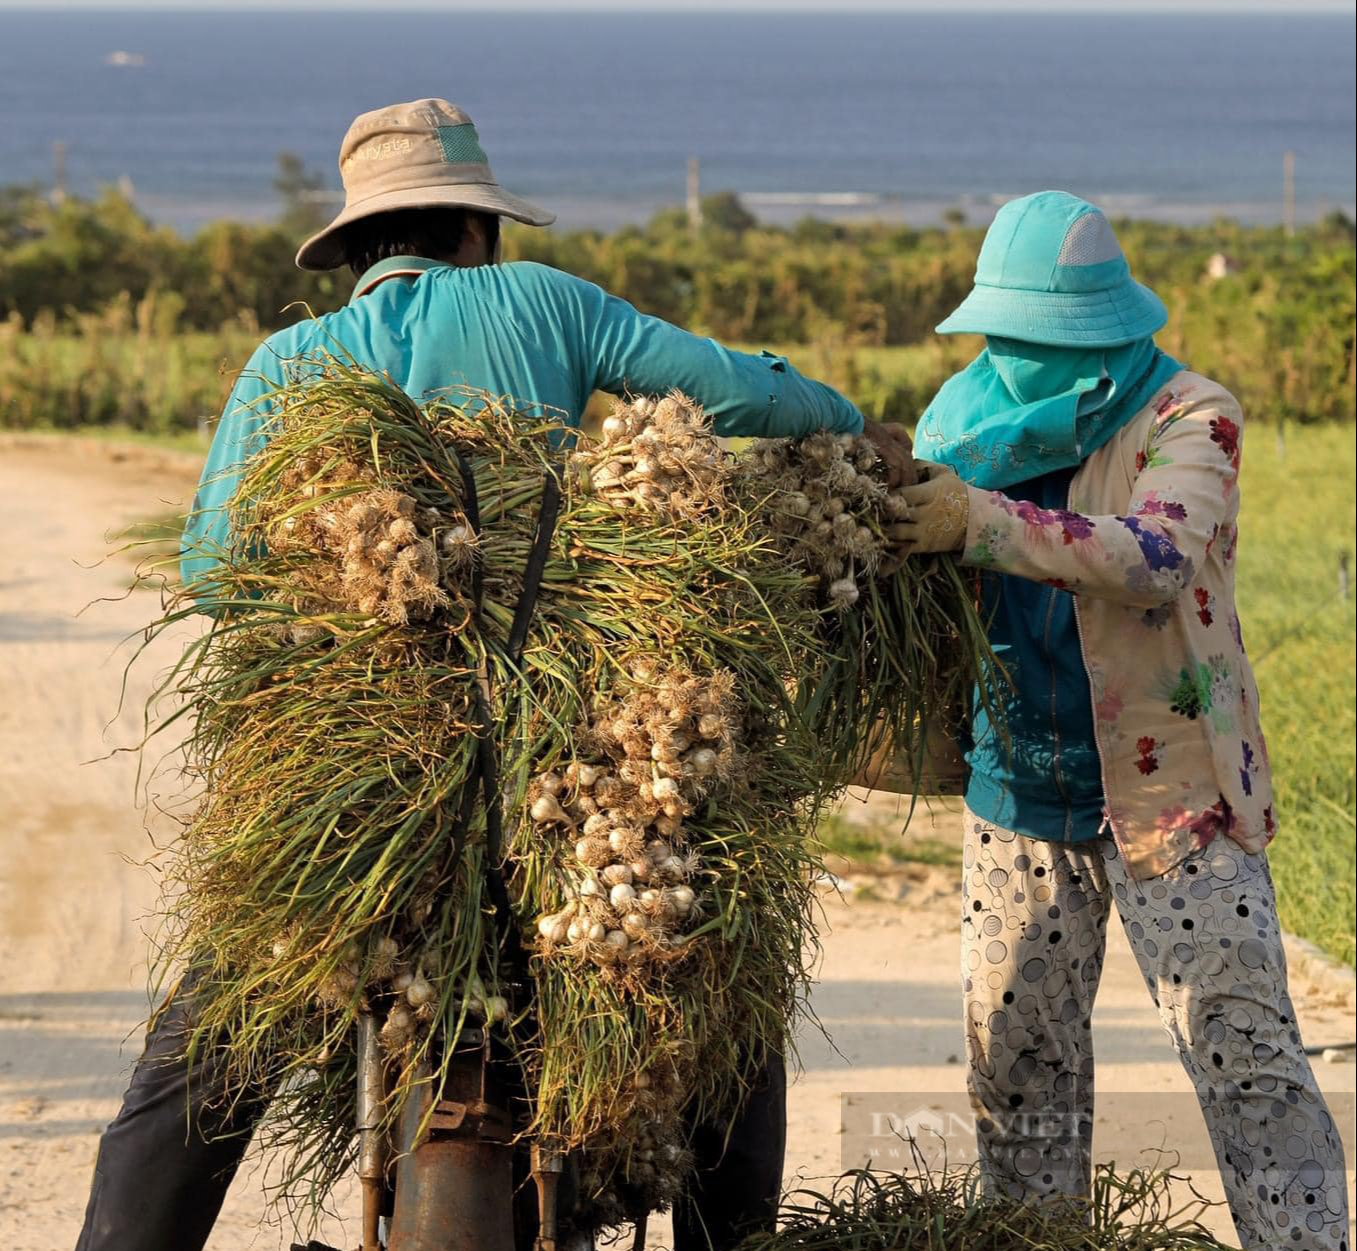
59	171
694	199
1289	193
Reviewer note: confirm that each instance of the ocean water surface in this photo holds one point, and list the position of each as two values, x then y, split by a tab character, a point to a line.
1178	116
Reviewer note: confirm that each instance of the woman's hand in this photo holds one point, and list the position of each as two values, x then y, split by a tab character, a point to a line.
892	444
938	509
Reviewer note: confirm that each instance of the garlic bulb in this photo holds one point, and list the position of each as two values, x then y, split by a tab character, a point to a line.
545	809
587	775
419	992
843	593
551	783
666	790
703	761
554	928
640	869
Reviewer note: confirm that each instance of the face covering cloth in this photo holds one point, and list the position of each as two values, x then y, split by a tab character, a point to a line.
1020	410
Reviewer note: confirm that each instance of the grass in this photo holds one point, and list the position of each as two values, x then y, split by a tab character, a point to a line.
880	842
1297	525
191	441
114	374
878	1211
155	540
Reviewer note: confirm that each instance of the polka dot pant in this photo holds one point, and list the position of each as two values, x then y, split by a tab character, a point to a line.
1209	945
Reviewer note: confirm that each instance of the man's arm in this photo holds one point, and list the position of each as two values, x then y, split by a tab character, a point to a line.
239	435
743	394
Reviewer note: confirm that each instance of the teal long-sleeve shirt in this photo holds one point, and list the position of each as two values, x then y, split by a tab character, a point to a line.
523	330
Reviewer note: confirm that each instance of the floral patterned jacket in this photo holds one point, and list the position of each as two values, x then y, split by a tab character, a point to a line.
1148	550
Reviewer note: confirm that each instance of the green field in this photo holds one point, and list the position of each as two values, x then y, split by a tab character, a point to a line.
1297	525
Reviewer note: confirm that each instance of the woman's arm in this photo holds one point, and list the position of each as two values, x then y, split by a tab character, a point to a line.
1184	495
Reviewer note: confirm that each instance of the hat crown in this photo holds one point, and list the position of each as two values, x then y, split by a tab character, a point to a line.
1052	242
420	155
413	137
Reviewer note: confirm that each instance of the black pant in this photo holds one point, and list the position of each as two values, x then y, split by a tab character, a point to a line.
738	1178
168	1158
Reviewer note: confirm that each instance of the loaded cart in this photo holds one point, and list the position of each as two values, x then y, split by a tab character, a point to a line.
511	753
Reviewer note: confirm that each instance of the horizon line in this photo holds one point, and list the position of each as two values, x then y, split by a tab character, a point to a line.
622	8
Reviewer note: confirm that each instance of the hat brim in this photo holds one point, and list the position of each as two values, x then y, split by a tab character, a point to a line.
324	250
1060	319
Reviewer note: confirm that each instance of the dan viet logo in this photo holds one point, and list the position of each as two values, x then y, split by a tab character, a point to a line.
888	1134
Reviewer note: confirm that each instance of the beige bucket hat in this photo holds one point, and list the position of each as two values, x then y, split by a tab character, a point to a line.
424	154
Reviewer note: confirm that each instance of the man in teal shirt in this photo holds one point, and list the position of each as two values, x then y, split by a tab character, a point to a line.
432	310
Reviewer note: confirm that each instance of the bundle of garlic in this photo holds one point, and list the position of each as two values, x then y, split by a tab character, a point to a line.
390	557
656	1167
657	455
827	497
402	980
667	737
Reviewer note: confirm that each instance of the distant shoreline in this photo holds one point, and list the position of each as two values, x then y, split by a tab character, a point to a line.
785	208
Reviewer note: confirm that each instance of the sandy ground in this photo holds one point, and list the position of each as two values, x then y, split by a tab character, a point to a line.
72	897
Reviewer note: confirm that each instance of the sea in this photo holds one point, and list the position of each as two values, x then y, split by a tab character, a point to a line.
1181	116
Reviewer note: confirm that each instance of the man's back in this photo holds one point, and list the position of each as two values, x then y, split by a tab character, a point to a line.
503	329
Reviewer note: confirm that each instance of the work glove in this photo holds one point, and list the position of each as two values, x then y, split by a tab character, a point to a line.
937	508
892	444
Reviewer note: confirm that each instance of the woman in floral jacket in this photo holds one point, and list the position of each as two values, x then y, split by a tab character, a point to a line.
1095	481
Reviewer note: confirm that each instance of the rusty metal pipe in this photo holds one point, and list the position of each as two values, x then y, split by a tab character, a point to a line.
547	1167
373	1148
454	1177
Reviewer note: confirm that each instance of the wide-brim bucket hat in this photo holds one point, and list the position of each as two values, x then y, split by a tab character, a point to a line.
1051	271
425	154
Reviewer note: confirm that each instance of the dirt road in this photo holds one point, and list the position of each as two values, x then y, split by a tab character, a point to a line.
72	971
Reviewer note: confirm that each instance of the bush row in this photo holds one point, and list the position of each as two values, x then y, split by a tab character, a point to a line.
1270	316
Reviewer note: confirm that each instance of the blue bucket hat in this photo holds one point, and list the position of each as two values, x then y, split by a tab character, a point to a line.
1051	271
